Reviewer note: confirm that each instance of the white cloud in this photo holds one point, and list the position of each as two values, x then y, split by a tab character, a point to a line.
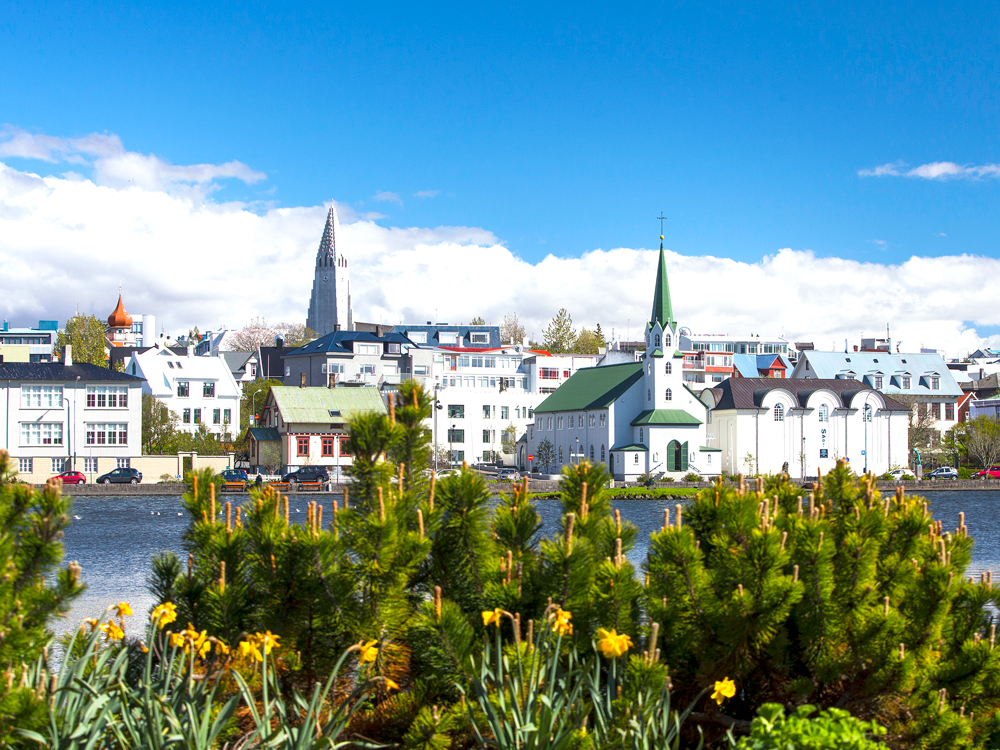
938	170
68	242
427	194
881	243
384	196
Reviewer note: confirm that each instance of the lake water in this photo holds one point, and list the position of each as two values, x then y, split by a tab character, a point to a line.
114	538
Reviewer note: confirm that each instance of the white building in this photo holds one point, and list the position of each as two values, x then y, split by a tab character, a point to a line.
636	417
73	416
766	425
709	357
199	390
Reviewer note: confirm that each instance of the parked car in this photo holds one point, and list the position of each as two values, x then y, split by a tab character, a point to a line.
508	474
71	477
944	472
234	475
307	474
902	474
993	473
121	476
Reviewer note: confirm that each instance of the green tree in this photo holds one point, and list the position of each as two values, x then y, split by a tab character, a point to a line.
32	589
159	426
558	336
86	335
982	441
477	321
545	454
587	342
254	395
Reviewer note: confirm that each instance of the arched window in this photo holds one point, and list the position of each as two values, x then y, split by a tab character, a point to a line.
669	395
668	340
592	453
669	368
636	461
649	369
824	413
649	395
602	453
560	454
867	413
641	435
657	340
779	413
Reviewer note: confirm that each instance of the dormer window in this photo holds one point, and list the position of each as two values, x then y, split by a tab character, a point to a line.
935	383
877	382
905	380
392	348
657	340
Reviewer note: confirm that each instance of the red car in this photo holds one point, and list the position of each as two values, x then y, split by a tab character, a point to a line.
993	473
71	477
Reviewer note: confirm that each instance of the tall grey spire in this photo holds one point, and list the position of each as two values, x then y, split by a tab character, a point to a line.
329	304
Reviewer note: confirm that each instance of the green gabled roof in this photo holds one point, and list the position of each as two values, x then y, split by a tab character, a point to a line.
656	353
666	417
712	450
592	388
678	354
633	447
313	405
663	312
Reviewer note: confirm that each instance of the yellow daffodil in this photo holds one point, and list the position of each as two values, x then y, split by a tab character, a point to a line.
369	652
112	630
725	688
144	647
492	617
89	621
221	648
612	644
249	650
164	614
268	640
124	609
561	624
391	684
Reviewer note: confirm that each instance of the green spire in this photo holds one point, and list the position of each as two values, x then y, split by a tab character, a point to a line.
663	312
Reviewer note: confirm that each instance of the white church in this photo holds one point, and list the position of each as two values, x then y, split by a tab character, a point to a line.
640	418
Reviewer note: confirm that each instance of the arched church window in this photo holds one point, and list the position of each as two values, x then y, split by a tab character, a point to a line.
668	340
669	395
592	453
823	413
668	368
649	395
560	454
642	438
779	413
602	453
867	413
657	339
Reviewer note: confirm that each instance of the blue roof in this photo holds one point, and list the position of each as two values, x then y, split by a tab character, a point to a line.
866	366
464	335
750	365
342	342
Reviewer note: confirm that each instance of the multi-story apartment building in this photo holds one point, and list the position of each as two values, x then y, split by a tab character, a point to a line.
199	390
69	416
39	341
380	359
708	358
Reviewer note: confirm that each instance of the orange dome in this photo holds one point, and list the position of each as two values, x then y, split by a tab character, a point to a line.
119	318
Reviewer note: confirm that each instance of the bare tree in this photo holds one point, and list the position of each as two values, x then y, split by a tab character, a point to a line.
982	441
295	334
511	331
923	435
254	334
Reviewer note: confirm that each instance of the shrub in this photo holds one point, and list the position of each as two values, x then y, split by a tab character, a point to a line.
691	477
831	728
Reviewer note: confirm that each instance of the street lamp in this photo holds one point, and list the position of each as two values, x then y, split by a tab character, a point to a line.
451	448
578	451
437	407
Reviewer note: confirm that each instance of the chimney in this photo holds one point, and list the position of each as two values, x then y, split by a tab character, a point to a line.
333	380
68	355
302	380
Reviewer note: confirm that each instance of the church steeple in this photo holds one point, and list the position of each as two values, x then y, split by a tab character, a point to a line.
330	304
663	312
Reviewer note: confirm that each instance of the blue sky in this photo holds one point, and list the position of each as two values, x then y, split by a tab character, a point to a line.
558	129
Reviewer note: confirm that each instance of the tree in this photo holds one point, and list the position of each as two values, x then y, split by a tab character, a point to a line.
923	435
587	342
255	334
982	441
511	331
254	395
545	454
508	439
294	334
86	335
159	426
477	321
559	336
600	336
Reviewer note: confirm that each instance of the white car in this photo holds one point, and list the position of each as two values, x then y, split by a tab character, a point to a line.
902	474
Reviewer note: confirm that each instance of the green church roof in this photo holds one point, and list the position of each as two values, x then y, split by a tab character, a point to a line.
663	312
665	417
592	388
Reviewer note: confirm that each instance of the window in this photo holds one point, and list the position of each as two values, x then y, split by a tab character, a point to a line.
59	464
479	338
183	388
124	463
170	365
565	373
592	453
548	373
877	382
571	421
949	411
107	434
186	416
866	413
560	426
457	457
420	370
180	366
505	412
668	395
635	459
367	369
709	459
779	413
392	348
486	436
602	453
24	465
417	337
197	416
593	419
302	445
288	371
560	454
327	446
216	416
642	435
668	368
371	349
667	342
456	436
486	411
456	411
447	337
208	389
41	433
90	465
604	419
657	342
936	411
42	396
935	383
823	413
227	416
649	395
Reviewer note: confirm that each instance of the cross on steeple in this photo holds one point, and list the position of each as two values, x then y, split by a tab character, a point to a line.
662	219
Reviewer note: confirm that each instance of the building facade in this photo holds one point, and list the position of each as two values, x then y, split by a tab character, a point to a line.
60	417
330	301
39	341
